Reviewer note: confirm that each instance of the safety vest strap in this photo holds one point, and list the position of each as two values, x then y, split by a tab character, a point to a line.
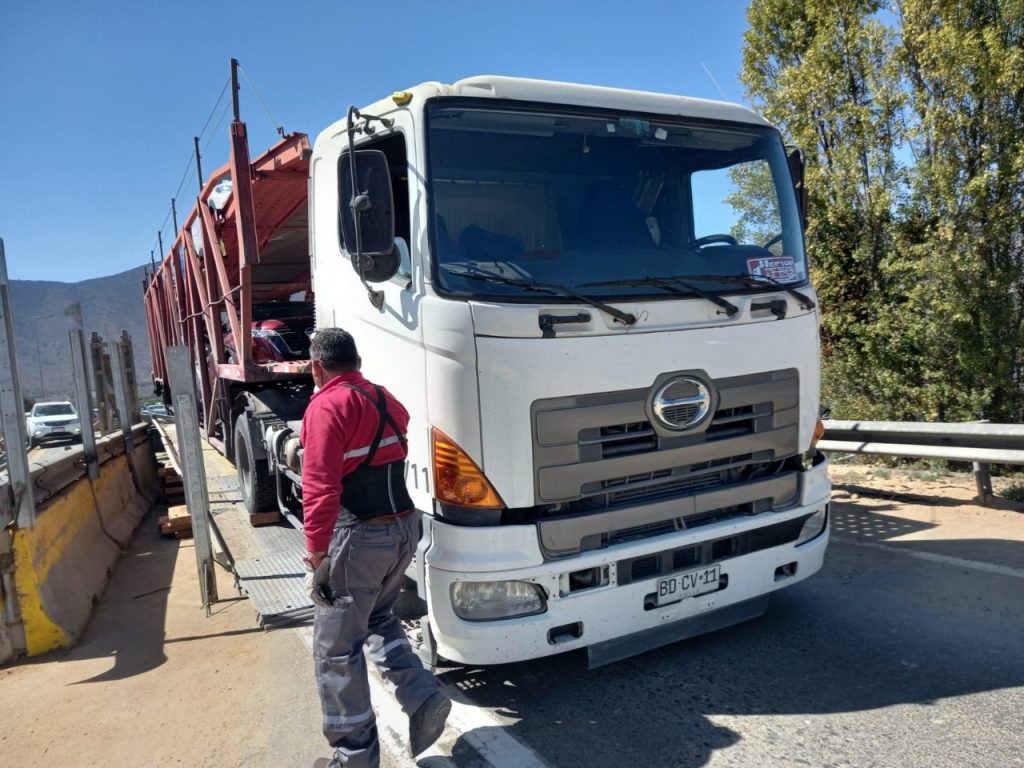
385	418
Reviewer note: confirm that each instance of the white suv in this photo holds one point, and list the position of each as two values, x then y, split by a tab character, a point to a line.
53	421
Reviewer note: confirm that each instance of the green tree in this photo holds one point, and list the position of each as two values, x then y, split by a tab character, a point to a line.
964	62
825	73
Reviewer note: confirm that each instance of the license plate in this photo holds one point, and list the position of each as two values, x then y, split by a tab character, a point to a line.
689	584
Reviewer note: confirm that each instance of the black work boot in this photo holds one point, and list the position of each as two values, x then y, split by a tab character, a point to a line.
328	762
427	723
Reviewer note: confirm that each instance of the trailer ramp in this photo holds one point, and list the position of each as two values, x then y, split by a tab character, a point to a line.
267	560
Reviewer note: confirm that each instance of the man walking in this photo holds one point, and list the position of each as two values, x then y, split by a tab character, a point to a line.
361	532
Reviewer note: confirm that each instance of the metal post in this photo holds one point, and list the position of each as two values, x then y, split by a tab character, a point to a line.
190	451
234	90
12	411
199	165
100	384
174	216
83	399
984	482
130	378
17	505
124	416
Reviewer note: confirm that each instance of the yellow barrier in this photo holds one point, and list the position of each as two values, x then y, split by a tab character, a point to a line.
63	561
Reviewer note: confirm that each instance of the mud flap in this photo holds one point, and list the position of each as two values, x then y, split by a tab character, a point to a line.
623	647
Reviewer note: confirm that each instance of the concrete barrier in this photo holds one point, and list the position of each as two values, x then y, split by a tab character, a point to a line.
62	563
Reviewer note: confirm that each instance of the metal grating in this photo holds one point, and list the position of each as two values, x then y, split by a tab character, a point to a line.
274	583
223	483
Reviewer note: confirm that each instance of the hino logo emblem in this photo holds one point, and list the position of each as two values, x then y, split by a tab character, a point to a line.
682	403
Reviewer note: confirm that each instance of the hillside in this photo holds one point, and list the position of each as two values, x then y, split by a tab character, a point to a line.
109	305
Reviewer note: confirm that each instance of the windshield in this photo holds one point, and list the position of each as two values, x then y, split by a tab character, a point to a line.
603	204
55	409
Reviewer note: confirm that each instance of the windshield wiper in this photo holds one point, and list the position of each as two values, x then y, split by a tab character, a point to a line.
475	273
674	284
754	280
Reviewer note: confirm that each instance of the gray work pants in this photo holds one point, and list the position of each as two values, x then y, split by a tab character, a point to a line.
368	563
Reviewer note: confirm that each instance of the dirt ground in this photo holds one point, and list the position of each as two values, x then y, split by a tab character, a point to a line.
154	682
932	511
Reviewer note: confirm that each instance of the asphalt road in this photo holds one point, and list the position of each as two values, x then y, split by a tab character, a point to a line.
884	658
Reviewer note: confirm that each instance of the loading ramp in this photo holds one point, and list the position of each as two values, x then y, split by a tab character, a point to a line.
266	560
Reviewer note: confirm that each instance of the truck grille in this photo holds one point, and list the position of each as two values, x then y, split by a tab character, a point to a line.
602	452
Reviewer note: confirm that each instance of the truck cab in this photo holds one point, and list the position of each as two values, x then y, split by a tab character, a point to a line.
603	328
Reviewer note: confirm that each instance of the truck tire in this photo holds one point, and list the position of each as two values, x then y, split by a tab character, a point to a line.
259	491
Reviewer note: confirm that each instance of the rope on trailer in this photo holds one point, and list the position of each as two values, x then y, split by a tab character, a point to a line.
277	126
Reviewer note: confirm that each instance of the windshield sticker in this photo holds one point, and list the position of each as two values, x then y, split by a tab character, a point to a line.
780	268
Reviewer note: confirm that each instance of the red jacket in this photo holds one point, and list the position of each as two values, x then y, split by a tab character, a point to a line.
337	430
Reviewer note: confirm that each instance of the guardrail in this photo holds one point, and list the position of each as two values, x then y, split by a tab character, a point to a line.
980	443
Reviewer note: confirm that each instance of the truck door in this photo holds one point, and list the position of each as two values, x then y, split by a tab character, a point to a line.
390	340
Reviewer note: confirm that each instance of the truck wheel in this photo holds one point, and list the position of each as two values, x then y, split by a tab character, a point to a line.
259	491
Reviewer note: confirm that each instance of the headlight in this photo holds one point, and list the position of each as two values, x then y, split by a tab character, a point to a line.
492	600
813	527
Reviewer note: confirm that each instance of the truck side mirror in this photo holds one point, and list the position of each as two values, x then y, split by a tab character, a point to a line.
796	169
367	215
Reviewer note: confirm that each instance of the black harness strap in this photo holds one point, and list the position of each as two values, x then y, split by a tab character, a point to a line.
385	418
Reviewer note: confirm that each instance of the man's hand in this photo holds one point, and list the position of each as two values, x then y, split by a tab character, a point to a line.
318	567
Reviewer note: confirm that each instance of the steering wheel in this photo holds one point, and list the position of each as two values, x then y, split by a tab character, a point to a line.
700	242
773	241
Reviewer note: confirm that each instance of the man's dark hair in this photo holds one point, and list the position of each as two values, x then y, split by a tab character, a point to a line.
335	349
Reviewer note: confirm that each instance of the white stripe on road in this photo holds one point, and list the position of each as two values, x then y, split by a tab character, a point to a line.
477	726
958	562
487	735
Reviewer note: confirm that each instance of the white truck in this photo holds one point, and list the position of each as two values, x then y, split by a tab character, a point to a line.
596	306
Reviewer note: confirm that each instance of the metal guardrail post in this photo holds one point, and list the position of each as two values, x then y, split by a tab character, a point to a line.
190	450
984	483
82	397
130	379
17	505
100	383
12	411
124	415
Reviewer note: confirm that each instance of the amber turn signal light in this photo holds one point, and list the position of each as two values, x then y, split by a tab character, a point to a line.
457	478
819	432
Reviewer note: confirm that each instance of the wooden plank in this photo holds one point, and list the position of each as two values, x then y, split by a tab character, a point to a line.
179	510
264	518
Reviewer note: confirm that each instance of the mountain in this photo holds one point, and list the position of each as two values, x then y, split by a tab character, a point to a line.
109	305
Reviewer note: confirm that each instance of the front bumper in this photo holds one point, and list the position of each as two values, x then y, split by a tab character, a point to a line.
63	432
618	618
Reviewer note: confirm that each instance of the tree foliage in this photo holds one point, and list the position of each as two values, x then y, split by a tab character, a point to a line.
909	116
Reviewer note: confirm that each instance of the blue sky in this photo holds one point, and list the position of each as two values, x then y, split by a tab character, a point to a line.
101	100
